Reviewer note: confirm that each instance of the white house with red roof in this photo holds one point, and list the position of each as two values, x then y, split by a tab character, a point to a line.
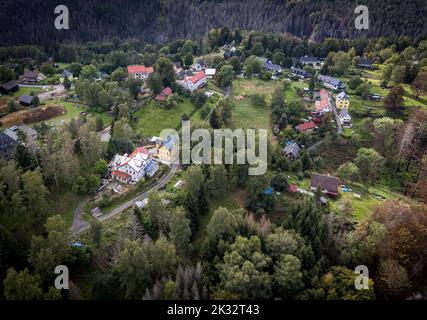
195	81
130	169
325	103
139	72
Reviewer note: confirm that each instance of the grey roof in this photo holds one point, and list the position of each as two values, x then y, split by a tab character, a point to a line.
365	61
31	74
292	148
308	59
6	142
344	113
300	72
25	98
8	86
170	142
328	183
271	66
67	74
185	73
330	80
342	95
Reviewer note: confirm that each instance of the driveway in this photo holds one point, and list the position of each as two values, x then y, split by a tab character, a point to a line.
80	225
337	118
104	134
58	91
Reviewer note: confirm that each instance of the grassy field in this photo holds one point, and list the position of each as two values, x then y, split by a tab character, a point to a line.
245	114
291	91
5	98
73	111
152	120
374	78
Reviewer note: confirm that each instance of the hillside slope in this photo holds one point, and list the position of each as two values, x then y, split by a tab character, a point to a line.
24	21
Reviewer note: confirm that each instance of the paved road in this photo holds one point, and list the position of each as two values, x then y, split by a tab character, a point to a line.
79	225
337	117
104	134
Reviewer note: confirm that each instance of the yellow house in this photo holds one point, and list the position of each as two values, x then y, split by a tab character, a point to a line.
168	149
342	100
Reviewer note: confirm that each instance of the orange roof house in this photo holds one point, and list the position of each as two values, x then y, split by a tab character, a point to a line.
139	72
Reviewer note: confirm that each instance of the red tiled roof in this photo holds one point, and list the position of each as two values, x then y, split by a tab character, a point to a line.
167	91
324	103
317	119
138	150
306	126
120	174
197	77
162	96
292	188
140	69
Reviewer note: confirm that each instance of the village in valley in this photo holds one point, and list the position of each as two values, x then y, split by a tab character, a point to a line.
346	126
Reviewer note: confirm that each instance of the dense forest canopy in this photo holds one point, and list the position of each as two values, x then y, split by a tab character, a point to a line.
23	21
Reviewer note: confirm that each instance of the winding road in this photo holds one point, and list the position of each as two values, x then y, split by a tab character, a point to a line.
79	225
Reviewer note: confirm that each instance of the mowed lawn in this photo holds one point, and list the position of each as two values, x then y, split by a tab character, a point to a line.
73	111
27	90
151	119
291	91
246	115
410	100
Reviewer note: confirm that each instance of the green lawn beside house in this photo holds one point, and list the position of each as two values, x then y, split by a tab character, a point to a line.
73	111
152	119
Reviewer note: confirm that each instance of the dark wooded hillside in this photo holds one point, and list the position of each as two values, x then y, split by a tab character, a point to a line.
24	21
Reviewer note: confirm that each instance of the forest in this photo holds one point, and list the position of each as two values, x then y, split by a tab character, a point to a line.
24	21
222	236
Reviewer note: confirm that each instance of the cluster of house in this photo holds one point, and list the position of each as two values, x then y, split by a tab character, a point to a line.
191	80
12	86
132	168
144	161
324	103
327	184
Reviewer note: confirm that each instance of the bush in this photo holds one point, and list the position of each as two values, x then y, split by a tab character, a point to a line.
198	99
104	202
258	100
279	182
